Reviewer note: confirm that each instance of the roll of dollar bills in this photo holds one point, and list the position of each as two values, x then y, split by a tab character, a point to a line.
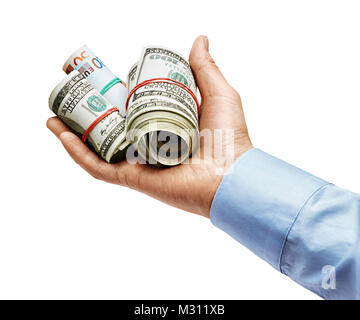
161	108
99	76
75	101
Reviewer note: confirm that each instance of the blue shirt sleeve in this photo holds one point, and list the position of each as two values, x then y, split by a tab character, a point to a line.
303	226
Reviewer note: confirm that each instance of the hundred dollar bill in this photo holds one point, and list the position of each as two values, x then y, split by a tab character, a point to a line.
99	76
75	101
162	117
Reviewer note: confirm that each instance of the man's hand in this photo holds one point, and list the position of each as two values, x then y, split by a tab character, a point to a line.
190	186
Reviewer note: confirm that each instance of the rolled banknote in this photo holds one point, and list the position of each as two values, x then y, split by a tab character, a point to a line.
162	109
75	101
99	76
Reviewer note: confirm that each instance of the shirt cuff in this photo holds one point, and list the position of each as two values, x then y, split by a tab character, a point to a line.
258	201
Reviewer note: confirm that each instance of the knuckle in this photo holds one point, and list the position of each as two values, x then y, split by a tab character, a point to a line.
128	178
211	62
237	96
200	63
98	173
124	180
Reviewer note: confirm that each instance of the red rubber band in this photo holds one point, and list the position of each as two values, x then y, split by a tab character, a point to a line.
95	122
163	80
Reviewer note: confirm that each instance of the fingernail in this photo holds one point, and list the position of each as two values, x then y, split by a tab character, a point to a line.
206	42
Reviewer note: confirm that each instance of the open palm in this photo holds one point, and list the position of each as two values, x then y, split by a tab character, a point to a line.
190	186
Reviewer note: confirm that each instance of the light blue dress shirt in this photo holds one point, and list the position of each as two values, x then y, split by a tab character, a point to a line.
303	226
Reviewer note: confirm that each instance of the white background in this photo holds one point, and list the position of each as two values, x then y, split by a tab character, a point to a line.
64	234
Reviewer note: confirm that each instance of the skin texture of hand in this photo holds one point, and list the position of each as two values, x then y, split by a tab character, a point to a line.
190	186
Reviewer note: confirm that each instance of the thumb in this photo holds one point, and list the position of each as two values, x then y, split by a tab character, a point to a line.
209	78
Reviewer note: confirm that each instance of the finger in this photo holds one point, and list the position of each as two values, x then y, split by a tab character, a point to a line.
80	153
209	78
56	126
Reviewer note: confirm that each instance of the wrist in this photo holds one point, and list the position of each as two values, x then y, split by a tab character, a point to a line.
218	170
